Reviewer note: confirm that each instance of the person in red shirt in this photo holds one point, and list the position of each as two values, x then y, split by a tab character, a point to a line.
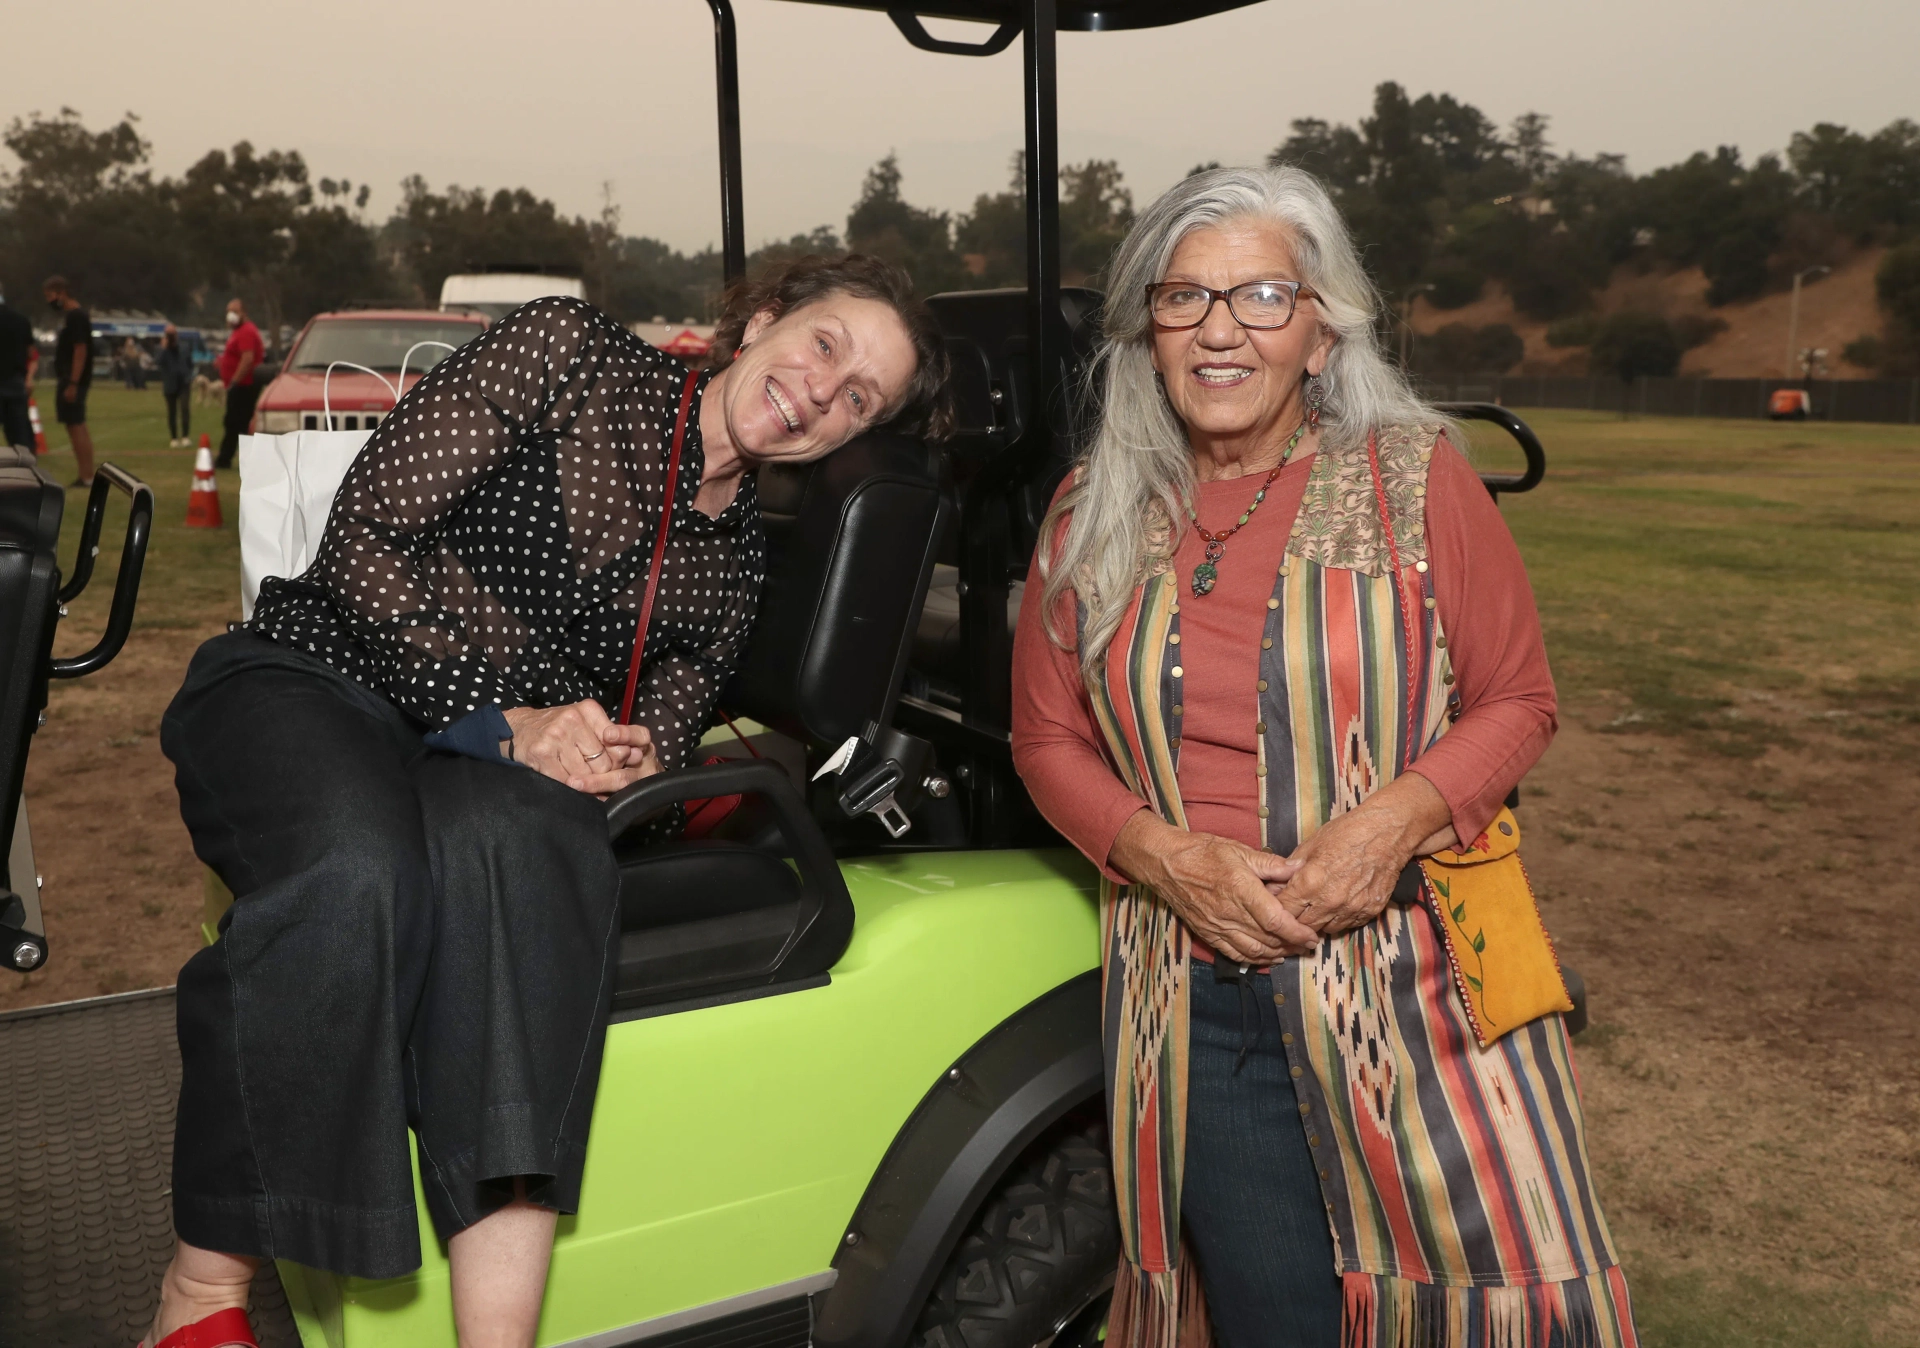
239	367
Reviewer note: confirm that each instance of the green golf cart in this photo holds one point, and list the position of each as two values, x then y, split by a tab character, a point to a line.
852	1091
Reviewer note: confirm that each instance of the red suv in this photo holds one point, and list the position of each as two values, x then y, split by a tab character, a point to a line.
380	340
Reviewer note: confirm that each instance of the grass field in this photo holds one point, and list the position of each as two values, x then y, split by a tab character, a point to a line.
1681	563
1722	837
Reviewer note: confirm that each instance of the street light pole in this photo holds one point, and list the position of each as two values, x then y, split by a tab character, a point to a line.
1793	319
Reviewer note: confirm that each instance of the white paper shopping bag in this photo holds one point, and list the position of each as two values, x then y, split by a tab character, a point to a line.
287	486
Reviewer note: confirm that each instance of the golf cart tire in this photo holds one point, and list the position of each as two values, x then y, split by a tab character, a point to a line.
1039	1261
962	1145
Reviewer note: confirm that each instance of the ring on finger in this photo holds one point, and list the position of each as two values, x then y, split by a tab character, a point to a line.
590	757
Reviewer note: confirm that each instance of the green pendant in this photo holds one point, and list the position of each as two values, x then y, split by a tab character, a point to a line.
1204	576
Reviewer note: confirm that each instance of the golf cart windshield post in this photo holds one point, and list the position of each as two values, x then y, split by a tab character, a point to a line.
990	561
726	83
1043	209
1004	463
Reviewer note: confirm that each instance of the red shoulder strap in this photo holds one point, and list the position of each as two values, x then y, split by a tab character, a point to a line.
659	546
222	1329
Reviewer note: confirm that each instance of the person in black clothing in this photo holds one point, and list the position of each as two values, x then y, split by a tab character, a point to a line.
16	346
175	367
72	373
396	767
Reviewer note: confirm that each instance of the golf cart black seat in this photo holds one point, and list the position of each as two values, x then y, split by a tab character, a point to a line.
851	543
30	508
32	602
986	333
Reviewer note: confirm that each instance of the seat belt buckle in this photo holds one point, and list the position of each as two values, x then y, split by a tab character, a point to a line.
869	790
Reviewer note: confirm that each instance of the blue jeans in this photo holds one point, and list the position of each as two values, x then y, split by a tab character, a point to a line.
1251	1203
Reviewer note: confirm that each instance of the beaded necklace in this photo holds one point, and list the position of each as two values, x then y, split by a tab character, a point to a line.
1207	573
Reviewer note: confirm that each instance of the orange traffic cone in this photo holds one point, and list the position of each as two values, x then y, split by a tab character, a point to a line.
203	502
39	432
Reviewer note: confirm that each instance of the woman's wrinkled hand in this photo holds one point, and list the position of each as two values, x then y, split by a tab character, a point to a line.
1223	890
1347	871
580	745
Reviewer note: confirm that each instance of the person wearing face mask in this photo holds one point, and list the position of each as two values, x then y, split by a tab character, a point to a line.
397	767
239	366
72	372
175	367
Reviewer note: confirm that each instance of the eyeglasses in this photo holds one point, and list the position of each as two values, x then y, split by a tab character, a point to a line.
1254	304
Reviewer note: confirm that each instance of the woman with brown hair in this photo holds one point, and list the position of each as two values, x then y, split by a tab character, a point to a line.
396	766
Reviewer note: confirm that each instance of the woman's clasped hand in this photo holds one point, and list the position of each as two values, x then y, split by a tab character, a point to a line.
1255	907
1230	895
580	745
1344	874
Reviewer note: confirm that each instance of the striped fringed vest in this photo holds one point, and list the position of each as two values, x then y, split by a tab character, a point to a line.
1456	1178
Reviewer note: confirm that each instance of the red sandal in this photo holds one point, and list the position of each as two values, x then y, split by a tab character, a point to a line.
222	1329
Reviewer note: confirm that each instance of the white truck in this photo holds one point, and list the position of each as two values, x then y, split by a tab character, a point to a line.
498	293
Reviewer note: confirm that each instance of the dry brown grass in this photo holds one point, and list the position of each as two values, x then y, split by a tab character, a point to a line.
1722	834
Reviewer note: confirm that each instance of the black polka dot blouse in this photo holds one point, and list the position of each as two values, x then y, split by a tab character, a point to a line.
491	542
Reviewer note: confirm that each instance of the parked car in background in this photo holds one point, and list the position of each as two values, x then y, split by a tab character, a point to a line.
498	293
689	341
396	345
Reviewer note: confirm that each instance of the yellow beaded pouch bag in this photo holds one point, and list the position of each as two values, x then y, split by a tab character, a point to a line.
1503	961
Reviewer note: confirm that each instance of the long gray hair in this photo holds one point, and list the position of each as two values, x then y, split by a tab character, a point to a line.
1128	500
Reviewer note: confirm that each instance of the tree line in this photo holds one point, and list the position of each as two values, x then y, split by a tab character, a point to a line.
1442	201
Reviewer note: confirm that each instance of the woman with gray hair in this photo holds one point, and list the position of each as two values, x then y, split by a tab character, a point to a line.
1282	647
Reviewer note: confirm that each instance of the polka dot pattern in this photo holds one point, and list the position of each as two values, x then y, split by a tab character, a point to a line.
491	542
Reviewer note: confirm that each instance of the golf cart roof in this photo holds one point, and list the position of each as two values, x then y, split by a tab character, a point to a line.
1084	16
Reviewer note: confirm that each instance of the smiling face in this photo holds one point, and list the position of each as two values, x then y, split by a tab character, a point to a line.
1232	383
808	381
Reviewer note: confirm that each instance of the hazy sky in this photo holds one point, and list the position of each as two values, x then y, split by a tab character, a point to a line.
562	96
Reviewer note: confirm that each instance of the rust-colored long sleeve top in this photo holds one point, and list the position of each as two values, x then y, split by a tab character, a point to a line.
1485	606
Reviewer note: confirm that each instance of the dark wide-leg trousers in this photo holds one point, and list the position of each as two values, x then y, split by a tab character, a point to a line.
417	939
239	411
1250	1199
179	412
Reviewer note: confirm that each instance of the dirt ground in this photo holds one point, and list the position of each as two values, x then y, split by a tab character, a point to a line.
121	888
1752	1079
1739	923
1740	898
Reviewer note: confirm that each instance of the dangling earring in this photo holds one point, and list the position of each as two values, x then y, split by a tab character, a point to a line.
1316	399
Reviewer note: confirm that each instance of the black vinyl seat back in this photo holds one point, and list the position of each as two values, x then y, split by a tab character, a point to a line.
986	333
31	505
851	542
32	602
